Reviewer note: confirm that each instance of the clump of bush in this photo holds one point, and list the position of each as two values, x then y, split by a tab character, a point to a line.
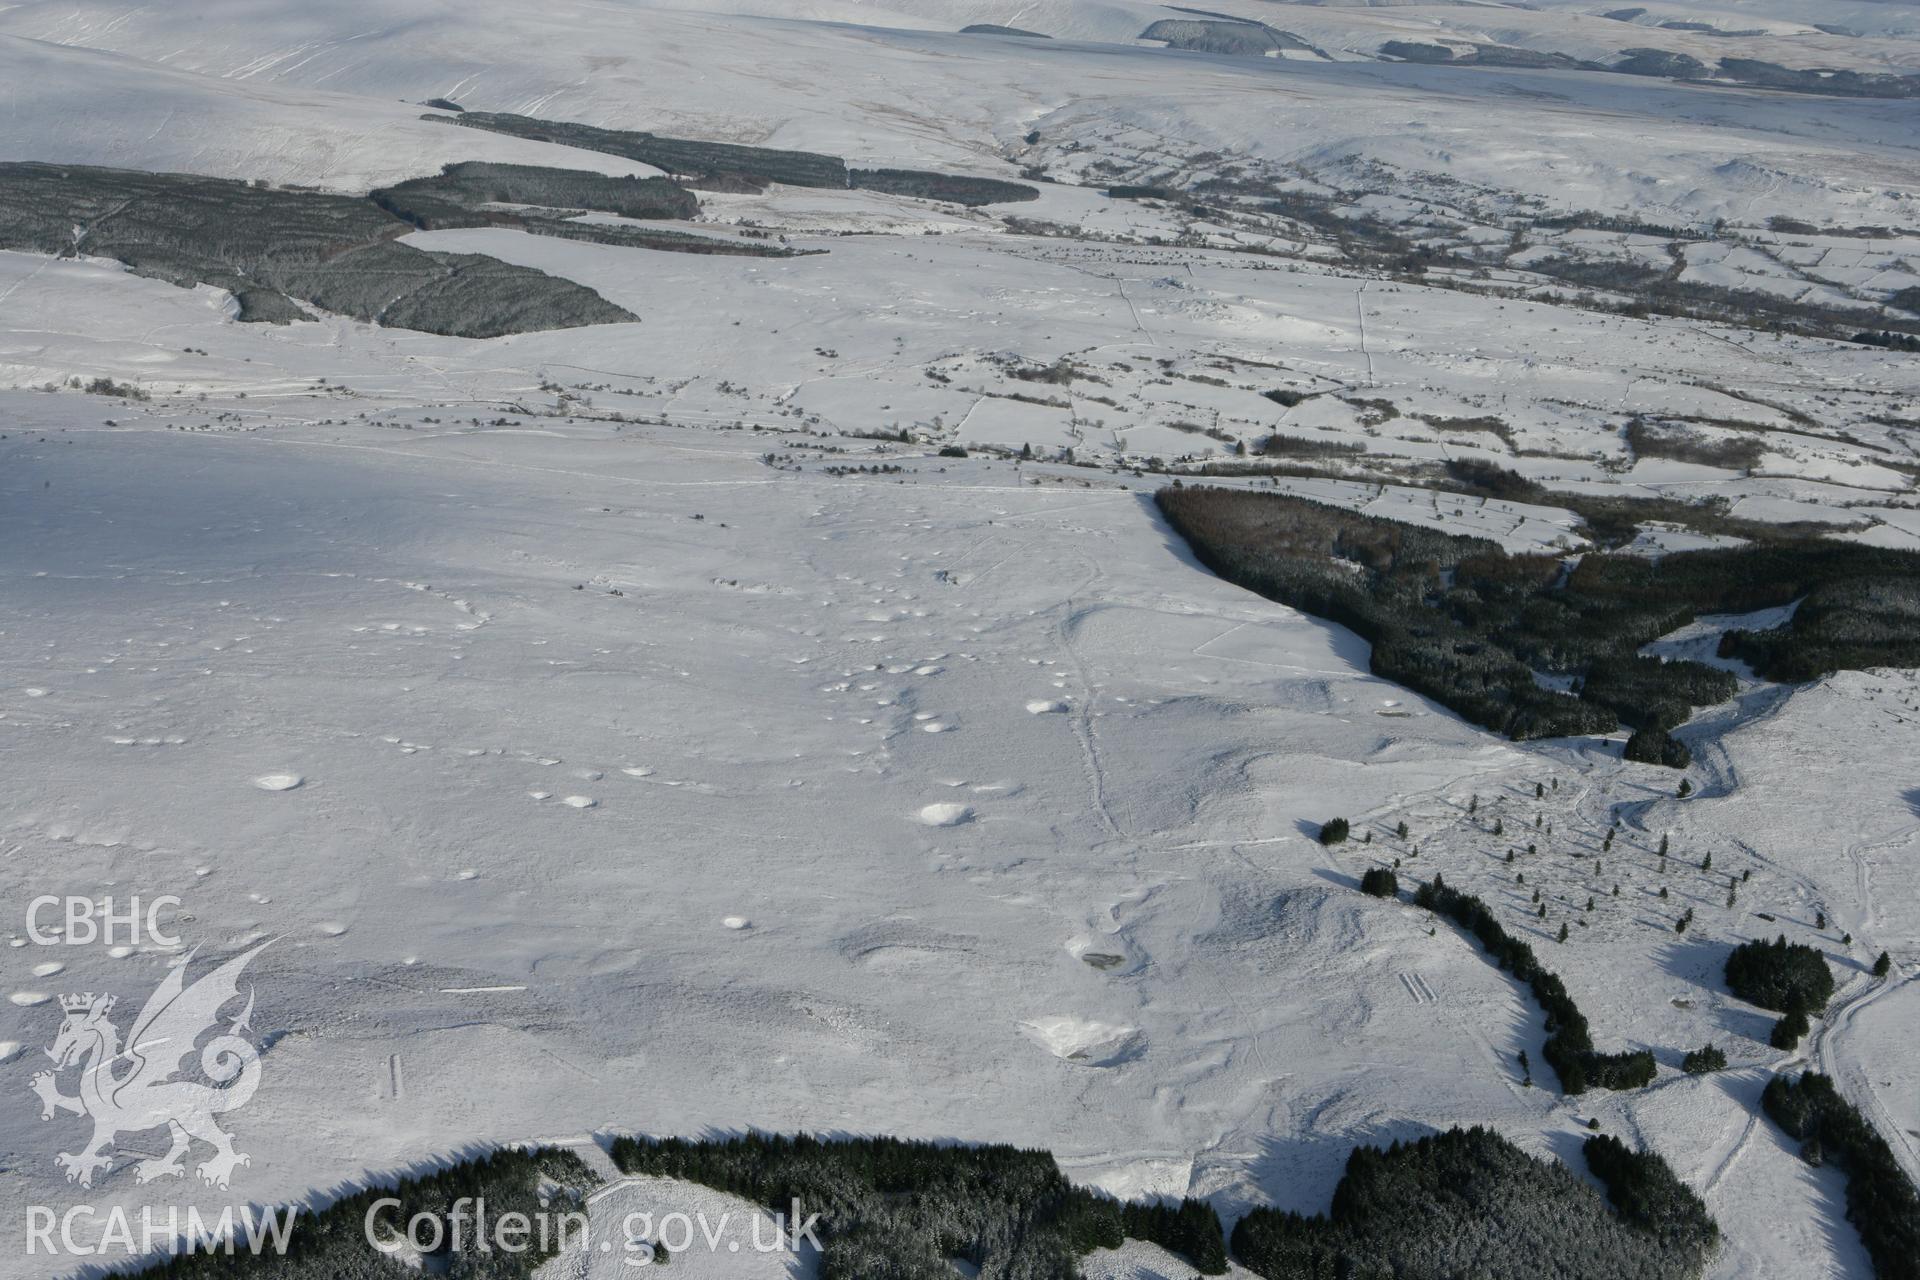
1469	1203
1733	454
1701	1061
1881	1202
1380	882
1780	975
119	390
1789	1030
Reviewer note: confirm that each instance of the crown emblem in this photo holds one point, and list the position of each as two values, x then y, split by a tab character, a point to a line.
123	1090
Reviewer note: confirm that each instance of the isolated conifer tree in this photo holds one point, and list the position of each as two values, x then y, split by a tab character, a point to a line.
1563	931
1538	791
1663	846
1686	788
1819	919
1499	827
1402	829
1883	966
1706	863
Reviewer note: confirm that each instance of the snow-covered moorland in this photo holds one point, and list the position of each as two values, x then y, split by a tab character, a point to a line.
787	709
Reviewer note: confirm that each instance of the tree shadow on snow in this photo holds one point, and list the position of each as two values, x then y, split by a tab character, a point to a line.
1697	962
1702	965
1340	878
1350	646
1568	1146
1299	1174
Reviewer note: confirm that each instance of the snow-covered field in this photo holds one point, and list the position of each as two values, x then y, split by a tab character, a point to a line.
600	757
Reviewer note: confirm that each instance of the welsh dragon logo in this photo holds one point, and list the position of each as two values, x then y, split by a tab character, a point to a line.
130	1087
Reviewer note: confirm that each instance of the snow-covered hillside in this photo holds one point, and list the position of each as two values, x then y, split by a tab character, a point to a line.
789	710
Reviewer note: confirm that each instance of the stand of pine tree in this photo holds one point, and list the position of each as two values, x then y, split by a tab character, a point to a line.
1469	1203
899	1210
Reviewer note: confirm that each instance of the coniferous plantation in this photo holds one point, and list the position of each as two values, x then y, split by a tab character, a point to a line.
1569	1047
1461	1203
1467	1203
333	1245
1472	627
270	246
460	194
728	166
549	202
899	1210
